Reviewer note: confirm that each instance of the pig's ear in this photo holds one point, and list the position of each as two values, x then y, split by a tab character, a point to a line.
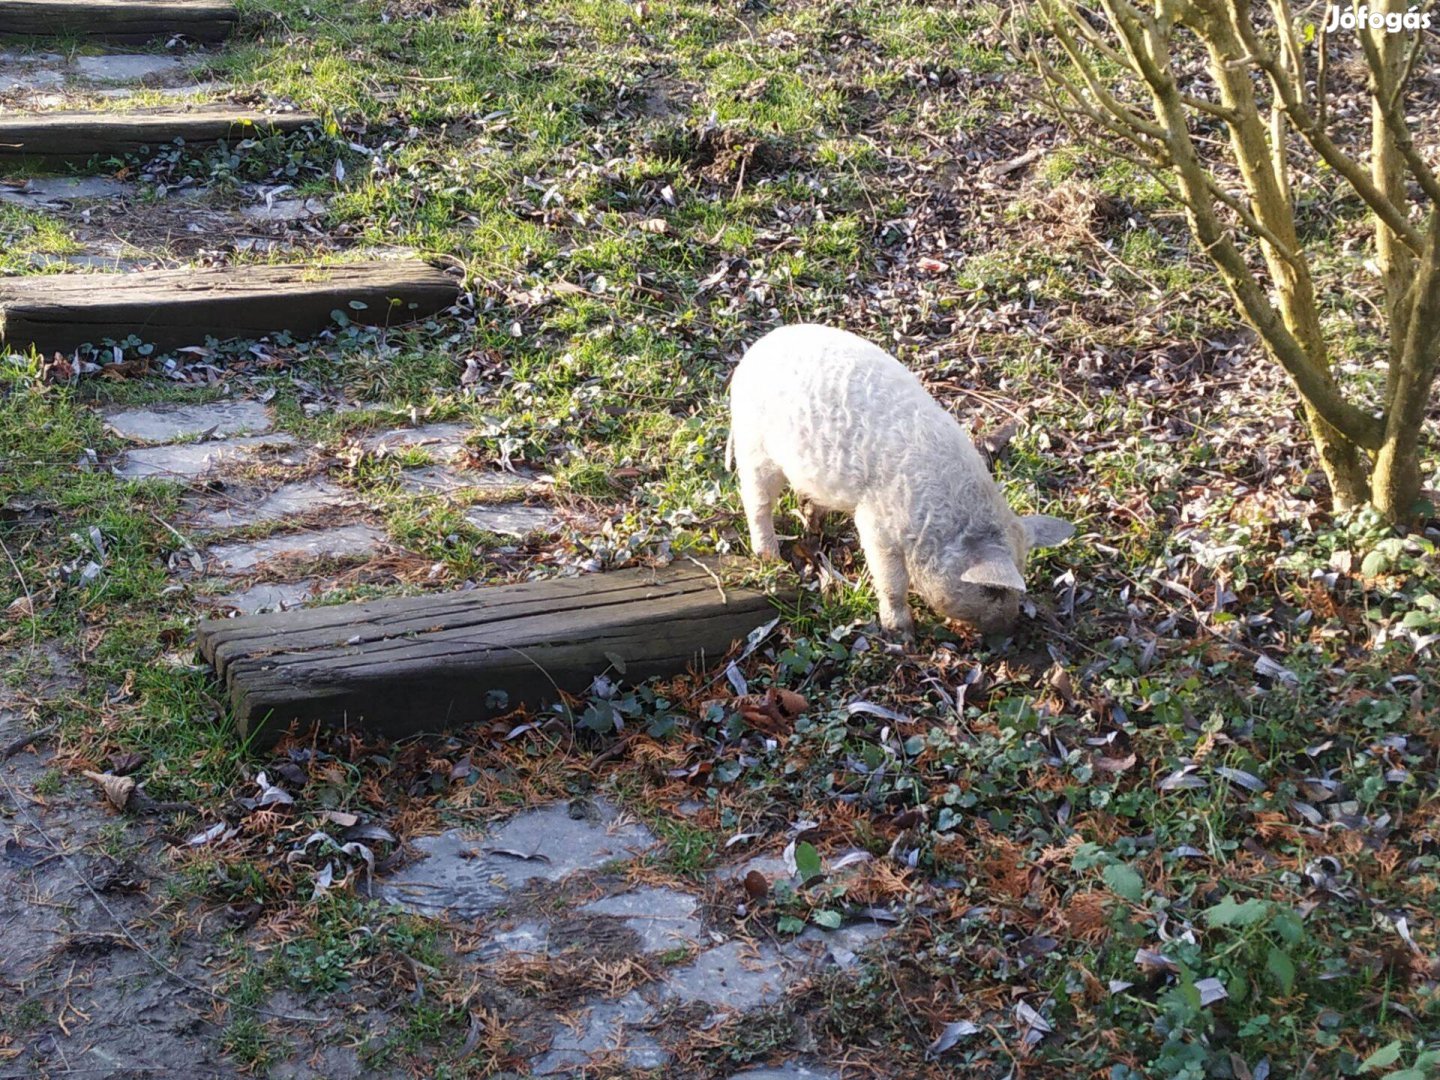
993	568
1046	531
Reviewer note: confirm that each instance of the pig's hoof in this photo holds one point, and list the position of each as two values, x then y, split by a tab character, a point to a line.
899	635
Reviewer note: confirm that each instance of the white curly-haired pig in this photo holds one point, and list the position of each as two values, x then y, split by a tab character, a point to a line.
849	428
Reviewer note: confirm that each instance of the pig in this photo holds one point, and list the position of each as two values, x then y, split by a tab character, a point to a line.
850	429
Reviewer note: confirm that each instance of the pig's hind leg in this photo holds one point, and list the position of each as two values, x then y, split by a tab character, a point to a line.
812	516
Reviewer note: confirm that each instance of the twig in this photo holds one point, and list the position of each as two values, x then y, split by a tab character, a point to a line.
719	585
13	748
30	599
615	749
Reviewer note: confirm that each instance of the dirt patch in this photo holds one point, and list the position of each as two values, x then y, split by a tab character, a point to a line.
91	978
187	227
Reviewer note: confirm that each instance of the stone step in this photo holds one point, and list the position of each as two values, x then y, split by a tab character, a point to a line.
128	21
75	137
173	308
36	81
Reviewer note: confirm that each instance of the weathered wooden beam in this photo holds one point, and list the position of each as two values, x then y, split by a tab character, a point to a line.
77	136
402	665
171	308
127	21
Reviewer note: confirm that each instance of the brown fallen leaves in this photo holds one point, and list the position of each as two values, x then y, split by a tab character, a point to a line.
774	712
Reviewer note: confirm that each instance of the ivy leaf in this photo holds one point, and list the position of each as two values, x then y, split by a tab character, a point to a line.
829	919
1279	964
1386	1055
807	860
789	924
1124	881
1228	913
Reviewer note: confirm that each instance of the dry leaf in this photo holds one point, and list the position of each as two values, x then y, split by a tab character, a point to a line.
118	789
756	885
774	713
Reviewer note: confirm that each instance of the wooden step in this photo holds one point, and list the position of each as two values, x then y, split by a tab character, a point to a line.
401	665
171	308
128	21
52	138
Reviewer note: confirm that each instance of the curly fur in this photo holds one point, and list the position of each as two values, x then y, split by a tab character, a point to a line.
849	428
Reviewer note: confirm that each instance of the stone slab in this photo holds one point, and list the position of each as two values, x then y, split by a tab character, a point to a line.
209	88
288	500
129	67
346	541
663	918
49	192
284	210
840	947
735	975
438	480
31	78
82	262
441	441
606	1029
269	596
168	422
788	1071
524	937
772	866
742	976
468	876
189	461
512	519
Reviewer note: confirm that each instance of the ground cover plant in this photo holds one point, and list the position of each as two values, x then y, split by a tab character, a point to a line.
1185	823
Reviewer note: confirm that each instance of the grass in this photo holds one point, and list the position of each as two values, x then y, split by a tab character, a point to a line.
635	192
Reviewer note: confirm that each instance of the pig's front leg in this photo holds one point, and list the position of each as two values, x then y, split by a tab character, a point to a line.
892	581
760	486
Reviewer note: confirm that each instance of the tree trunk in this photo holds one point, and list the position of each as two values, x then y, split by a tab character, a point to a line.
1397	480
1346	465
